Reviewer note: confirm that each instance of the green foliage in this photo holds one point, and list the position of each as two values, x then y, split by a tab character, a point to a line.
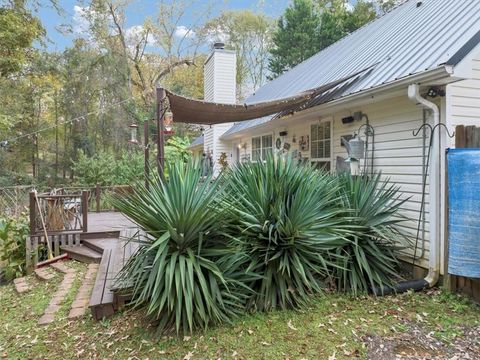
371	211
296	38
284	219
176	149
305	29
104	169
13	237
18	30
249	34
183	272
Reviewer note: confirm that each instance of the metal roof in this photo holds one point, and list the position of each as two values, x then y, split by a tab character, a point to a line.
197	142
414	37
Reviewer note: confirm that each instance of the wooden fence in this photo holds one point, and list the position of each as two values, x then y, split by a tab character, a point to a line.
466	137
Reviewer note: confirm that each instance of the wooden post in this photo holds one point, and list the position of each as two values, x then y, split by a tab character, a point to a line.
146	150
459	136
470	136
160	138
97	197
32	213
84	210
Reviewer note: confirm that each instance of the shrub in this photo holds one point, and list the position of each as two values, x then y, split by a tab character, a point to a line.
370	257
183	272
105	169
284	219
13	237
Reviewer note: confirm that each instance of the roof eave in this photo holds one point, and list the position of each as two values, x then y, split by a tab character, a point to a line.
443	74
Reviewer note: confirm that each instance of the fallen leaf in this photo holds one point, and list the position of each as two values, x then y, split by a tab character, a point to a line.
188	356
332	357
290	325
264	343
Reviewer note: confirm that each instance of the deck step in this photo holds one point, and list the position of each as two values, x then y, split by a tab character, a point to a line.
82	253
101	301
100	245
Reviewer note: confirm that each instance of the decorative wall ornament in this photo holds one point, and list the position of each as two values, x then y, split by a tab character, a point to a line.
304	142
278	143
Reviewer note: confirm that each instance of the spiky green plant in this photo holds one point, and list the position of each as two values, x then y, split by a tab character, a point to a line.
370	258
283	219
181	272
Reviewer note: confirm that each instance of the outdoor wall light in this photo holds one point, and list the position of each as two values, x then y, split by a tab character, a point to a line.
435	91
347	120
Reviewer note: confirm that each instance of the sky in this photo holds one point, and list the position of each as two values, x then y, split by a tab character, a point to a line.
137	12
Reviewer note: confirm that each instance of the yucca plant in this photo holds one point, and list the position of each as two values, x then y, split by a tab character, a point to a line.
182	272
283	219
370	258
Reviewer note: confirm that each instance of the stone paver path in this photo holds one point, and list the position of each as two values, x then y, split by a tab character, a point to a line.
21	285
61	267
43	274
80	304
63	289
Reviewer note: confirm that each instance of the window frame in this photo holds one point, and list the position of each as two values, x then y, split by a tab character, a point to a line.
262	148
328	160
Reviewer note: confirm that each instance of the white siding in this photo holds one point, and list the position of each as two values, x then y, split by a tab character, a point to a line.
220	77
208	77
398	154
225	88
463	104
219	87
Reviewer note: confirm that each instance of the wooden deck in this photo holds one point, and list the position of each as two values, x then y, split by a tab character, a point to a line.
108	221
105	243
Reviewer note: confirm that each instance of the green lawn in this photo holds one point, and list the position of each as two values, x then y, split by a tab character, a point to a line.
334	327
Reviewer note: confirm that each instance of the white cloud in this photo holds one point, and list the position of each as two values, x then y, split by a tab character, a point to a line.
182	31
81	23
136	33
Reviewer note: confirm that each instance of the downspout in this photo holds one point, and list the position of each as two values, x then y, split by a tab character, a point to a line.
434	259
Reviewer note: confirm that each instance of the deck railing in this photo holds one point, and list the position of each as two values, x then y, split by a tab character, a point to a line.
58	212
59	217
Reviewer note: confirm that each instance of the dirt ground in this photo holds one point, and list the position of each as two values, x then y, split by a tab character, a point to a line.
416	343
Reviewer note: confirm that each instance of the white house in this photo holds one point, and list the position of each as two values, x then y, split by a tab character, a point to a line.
422	62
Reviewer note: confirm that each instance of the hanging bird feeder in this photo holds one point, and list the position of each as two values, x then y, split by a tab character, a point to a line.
133	134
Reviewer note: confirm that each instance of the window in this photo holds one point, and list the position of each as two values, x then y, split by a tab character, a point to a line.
320	147
262	146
